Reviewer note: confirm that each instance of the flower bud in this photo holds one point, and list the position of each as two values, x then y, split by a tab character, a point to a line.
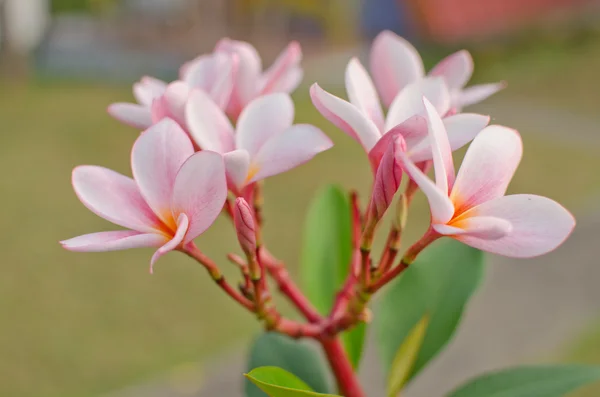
244	226
387	178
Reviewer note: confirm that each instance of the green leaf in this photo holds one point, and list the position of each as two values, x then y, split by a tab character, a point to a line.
299	358
326	256
438	284
277	382
530	381
405	358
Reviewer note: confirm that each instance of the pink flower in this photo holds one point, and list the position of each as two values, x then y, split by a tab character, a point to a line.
472	207
174	197
362	118
264	142
395	63
250	81
158	100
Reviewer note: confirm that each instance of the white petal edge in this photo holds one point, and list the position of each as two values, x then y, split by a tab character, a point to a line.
539	225
113	241
456	69
137	116
362	93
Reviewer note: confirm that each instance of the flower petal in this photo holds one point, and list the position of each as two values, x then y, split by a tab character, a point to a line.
213	73
182	228
295	146
483	227
456	69
208	126
237	164
461	129
276	77
137	116
148	89
439	203
113	197
443	165
200	191
156	158
394	64
487	168
346	117
362	93
477	93
539	225
412	130
263	118
248	70
113	241
175	97
409	101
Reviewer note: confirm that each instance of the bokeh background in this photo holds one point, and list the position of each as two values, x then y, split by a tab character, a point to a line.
99	325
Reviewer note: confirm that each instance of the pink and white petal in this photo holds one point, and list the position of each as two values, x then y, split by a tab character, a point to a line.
212	73
461	129
487	168
289	81
440	205
200	191
288	60
113	241
443	164
176	96
483	227
183	224
293	147
394	64
263	118
237	165
156	157
362	93
409	102
477	93
113	197
248	71
137	116
456	69
346	117
539	225
413	130
208	126
148	89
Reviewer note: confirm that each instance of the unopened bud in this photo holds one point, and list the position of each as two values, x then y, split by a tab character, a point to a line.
401	215
387	179
244	226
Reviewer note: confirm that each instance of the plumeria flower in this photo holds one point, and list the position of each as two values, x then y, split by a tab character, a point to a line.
250	81
362	118
264	142
158	100
174	196
472	207
395	63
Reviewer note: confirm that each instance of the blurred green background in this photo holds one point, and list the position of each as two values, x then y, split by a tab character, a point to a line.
84	324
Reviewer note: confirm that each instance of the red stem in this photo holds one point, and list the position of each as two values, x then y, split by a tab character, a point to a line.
342	368
194	252
288	287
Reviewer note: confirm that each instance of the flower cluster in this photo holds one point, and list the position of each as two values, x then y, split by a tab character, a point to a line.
190	154
210	138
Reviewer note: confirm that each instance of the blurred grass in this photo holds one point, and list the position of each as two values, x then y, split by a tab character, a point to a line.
81	324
